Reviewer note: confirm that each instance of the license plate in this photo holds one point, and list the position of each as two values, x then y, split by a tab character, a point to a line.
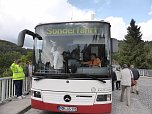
67	109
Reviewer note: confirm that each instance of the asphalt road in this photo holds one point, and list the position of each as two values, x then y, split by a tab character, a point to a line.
140	104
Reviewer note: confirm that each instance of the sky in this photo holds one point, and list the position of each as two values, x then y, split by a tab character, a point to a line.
16	15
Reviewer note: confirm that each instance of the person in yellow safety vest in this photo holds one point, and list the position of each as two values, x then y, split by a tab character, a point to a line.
18	77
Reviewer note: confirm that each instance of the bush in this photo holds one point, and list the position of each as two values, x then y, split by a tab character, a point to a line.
7	73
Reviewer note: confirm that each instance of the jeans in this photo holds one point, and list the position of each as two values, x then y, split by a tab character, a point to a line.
29	83
117	85
18	87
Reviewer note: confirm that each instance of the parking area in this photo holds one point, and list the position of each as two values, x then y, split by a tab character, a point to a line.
140	104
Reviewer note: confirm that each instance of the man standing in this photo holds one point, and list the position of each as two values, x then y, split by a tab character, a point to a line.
136	77
126	75
29	76
18	77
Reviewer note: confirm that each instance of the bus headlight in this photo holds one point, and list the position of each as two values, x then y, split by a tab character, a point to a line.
37	94
106	97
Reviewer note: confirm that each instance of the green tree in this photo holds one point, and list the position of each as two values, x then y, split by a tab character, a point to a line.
148	45
27	57
6	59
8	53
133	49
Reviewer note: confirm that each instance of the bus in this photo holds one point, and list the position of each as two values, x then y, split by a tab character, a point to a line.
60	82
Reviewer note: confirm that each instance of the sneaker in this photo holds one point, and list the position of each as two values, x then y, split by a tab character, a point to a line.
19	97
23	96
137	92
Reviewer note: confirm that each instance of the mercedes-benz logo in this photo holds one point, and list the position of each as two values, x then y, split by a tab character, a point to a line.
67	98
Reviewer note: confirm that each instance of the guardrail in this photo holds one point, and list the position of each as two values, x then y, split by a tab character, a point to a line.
145	72
7	89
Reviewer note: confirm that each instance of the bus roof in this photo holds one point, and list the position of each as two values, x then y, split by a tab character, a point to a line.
60	22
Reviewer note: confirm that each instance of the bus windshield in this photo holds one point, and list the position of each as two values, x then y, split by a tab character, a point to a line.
67	48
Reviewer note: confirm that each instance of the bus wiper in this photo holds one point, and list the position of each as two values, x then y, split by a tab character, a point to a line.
95	78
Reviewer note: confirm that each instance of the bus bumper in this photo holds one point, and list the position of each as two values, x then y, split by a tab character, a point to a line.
87	109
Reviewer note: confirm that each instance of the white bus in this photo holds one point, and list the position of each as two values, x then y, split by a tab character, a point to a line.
61	83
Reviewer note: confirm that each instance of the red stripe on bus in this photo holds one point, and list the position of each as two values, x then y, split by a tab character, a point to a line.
81	109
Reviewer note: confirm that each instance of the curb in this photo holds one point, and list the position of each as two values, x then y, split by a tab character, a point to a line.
25	110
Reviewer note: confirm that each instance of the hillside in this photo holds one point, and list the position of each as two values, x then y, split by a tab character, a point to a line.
8	53
6	46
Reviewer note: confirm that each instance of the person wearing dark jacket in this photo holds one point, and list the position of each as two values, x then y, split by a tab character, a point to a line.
118	75
136	77
114	78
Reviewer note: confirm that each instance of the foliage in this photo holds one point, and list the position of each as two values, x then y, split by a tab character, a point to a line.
26	57
133	50
6	59
7	73
8	53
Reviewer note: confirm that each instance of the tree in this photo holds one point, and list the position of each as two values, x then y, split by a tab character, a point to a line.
8	53
6	59
133	50
27	57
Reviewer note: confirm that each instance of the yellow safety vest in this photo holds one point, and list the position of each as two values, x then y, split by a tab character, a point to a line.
18	73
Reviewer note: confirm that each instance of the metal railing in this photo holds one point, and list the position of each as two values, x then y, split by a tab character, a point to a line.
7	89
145	72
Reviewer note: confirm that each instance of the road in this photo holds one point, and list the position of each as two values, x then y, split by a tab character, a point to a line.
140	104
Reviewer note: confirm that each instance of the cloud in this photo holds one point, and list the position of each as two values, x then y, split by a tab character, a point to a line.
16	15
118	27
146	30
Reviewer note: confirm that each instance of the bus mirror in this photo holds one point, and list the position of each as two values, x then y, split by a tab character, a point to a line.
21	38
38	36
22	34
114	45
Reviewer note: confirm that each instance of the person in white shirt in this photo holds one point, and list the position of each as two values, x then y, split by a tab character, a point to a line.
126	75
58	58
